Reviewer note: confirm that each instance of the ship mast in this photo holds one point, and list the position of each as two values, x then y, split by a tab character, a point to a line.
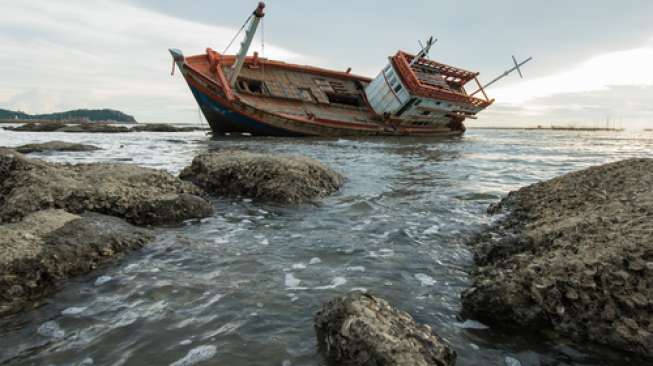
517	68
247	42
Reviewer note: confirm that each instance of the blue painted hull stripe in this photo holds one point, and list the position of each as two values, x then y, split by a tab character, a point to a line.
223	119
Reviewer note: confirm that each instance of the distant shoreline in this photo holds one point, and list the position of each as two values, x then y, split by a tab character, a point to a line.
69	122
581	129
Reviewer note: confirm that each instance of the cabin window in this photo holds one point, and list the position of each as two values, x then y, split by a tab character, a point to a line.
398	88
426	113
387	69
252	86
255	86
345	99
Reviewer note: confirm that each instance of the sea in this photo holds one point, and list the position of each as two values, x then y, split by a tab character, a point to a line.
242	287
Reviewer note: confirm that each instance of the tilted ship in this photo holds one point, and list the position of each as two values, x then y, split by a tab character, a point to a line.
411	96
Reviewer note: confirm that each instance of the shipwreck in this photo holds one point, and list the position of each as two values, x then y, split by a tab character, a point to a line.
411	96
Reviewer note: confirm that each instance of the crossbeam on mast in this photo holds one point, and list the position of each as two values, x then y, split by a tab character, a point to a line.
517	67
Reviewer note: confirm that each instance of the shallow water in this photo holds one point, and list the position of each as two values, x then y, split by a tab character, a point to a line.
241	287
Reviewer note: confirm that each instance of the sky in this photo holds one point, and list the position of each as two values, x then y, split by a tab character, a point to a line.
592	58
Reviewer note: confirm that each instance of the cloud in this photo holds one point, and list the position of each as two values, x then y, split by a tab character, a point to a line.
61	55
627	106
615	86
629	67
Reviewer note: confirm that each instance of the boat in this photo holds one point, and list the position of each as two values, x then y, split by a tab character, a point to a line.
253	95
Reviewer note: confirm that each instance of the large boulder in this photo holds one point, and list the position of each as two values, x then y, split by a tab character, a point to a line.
573	257
54	146
263	177
46	247
140	195
363	330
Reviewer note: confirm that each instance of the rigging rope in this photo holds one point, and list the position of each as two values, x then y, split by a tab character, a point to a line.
263	45
263	37
237	34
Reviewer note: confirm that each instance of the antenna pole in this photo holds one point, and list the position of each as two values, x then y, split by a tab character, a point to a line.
425	50
247	42
506	73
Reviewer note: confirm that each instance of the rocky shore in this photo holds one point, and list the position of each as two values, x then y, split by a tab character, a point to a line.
572	257
63	220
60	220
41	251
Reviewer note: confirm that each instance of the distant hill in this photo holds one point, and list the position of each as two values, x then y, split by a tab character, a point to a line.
93	115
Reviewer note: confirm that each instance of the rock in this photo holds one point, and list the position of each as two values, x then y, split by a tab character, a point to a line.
360	329
570	258
94	128
54	146
134	193
170	209
38	127
47	247
162	127
263	177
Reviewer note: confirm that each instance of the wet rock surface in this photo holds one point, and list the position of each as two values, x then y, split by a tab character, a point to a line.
98	127
163	127
573	255
94	128
47	247
363	330
54	146
270	178
170	209
37	127
131	192
63	127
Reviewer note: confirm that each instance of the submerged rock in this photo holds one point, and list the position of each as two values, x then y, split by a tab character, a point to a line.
38	127
264	177
94	128
574	256
47	247
140	195
363	330
54	146
163	127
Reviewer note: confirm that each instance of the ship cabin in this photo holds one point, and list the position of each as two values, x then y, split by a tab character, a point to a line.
424	92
